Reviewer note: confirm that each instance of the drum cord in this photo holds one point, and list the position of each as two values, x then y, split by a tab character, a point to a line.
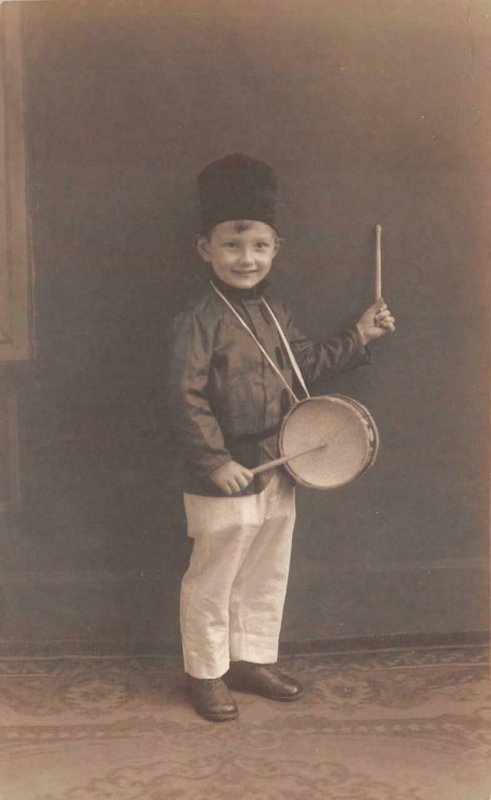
266	355
288	349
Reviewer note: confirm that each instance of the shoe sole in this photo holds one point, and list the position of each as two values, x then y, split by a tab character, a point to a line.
285	699
211	718
247	690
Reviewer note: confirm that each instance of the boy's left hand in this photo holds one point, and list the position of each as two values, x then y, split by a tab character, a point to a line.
375	322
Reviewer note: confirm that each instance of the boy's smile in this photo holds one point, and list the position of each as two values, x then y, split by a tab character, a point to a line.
240	252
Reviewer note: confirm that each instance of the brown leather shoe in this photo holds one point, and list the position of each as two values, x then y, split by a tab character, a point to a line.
263	679
211	699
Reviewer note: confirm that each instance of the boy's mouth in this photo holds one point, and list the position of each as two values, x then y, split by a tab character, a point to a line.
244	271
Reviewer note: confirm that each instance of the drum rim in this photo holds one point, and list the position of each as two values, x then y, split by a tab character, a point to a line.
364	414
372	425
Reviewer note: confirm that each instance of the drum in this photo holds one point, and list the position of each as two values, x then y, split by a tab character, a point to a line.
336	437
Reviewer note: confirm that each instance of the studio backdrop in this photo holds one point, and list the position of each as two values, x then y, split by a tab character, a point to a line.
369	112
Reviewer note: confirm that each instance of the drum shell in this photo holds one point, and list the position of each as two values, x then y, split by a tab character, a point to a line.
355	449
363	410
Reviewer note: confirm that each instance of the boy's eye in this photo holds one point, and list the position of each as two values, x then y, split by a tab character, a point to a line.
262	245
230	244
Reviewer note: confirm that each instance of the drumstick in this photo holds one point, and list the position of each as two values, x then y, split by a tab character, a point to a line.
283	459
378	263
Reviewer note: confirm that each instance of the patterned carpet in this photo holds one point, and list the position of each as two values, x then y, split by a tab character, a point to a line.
395	725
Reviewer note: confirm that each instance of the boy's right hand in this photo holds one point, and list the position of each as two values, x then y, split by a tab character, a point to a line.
231	477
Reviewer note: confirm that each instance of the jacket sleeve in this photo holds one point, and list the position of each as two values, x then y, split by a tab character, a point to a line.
338	354
190	349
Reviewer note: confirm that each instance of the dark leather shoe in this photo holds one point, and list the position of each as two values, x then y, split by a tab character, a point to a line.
211	699
263	679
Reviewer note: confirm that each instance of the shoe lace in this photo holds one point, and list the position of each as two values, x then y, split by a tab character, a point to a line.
214	683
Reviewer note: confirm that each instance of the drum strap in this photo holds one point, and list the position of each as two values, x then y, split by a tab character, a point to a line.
288	349
266	355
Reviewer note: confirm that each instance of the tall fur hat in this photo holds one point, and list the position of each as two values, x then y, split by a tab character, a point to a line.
237	187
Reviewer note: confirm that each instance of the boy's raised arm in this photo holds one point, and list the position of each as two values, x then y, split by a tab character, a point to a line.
342	352
336	354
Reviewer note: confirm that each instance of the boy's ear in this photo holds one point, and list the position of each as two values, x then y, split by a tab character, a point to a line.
278	244
203	248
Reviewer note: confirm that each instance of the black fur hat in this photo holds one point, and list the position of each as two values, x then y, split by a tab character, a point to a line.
237	187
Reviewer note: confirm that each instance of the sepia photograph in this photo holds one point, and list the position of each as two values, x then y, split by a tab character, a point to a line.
244	399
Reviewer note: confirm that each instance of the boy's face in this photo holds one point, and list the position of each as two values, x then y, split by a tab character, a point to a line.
240	252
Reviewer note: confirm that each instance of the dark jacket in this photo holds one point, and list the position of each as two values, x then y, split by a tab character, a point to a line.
225	400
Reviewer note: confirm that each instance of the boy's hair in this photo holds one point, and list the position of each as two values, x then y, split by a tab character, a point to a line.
239	226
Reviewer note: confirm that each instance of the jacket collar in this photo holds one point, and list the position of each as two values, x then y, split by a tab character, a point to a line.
239	294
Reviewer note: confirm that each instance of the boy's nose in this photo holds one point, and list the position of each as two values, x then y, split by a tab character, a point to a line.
247	257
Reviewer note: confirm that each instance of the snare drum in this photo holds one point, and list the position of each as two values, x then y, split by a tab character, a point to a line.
345	429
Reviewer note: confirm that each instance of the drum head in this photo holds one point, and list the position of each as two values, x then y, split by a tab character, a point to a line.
345	429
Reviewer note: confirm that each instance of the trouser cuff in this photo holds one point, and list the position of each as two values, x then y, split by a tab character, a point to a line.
255	650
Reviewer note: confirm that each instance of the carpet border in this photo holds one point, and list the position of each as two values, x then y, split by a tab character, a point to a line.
161	648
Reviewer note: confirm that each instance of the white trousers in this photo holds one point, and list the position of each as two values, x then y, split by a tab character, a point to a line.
233	593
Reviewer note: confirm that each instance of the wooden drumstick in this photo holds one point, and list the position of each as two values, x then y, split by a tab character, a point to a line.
378	263
283	459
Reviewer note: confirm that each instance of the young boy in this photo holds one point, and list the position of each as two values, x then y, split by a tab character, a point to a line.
226	405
